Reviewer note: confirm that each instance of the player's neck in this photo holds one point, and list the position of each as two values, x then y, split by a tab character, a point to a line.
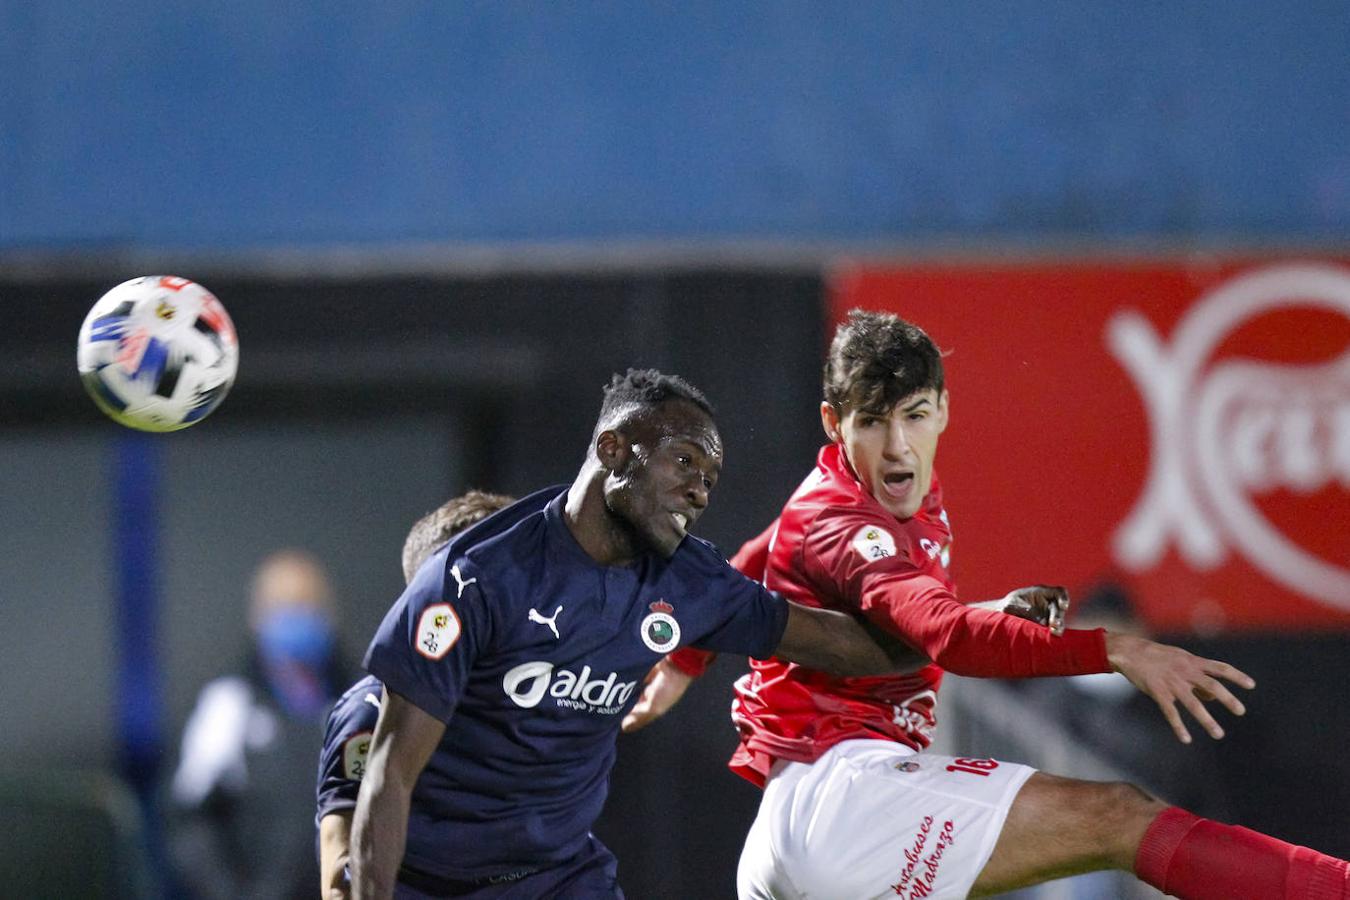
592	525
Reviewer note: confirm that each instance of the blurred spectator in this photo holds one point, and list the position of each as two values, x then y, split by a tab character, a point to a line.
243	788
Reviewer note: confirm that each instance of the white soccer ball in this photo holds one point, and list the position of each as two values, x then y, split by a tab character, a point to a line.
158	353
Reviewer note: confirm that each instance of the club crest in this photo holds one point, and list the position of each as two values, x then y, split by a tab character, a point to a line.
659	630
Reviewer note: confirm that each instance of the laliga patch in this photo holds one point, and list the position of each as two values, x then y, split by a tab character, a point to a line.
354	753
437	631
874	542
660	632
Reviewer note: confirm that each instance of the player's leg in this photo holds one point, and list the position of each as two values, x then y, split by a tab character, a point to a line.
1059	826
760	874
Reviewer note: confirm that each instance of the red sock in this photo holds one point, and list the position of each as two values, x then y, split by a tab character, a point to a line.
1196	859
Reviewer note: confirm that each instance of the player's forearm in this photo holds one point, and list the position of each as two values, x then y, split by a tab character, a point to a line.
335	887
379	832
832	642
334	854
984	644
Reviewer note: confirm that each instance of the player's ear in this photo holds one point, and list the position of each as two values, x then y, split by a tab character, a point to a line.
942	411
829	420
611	448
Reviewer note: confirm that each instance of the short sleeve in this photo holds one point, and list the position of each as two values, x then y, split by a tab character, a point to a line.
749	619
346	744
751	561
428	641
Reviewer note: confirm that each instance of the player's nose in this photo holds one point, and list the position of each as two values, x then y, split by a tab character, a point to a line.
897	442
697	493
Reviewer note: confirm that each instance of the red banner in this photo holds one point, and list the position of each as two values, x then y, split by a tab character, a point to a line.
1182	431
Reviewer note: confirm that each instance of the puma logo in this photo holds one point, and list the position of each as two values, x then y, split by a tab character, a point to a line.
538	618
459	580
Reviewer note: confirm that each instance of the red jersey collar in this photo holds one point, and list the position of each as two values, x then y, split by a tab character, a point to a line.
836	463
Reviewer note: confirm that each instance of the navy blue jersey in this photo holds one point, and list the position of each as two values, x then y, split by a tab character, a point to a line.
346	743
346	740
531	652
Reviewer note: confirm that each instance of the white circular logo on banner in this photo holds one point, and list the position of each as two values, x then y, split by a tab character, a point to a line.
1222	433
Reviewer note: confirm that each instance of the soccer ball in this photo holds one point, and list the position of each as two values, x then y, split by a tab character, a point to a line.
158	353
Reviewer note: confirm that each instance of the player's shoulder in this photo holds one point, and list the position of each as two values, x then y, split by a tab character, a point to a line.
517	533
463	569
700	555
356	713
359	699
834	503
501	570
500	537
870	534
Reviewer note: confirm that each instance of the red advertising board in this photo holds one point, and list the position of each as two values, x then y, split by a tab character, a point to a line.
1179	429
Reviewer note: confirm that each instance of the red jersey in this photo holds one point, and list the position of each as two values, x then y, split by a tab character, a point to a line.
836	547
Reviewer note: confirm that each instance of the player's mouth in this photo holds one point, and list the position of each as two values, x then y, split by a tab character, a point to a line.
897	485
681	522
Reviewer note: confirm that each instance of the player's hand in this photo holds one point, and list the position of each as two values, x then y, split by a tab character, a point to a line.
1043	604
664	686
1174	677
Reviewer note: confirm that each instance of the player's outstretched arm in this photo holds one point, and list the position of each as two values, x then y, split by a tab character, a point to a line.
832	642
1172	676
404	739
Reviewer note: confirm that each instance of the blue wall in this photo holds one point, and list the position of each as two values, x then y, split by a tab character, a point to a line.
153	125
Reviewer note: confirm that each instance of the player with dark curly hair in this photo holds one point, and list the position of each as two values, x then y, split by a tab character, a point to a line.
511	658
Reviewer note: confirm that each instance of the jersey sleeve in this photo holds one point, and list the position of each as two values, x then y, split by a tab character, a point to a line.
429	639
749	619
848	555
346	744
692	661
751	561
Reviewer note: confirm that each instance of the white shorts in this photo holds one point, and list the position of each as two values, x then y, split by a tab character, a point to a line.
873	818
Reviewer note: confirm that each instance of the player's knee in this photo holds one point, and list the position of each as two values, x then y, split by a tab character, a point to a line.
1121	813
